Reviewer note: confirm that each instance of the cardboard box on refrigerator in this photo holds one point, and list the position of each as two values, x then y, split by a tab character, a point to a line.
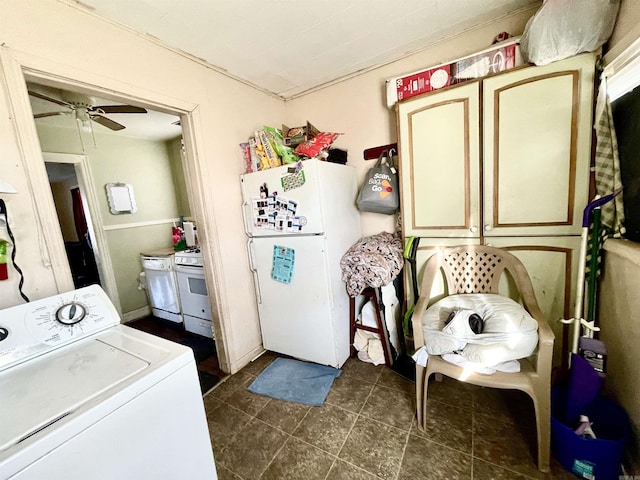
293	136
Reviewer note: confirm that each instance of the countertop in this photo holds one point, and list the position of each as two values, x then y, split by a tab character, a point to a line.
160	252
625	248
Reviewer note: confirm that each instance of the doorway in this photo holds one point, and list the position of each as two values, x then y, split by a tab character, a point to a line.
74	222
116	241
112	143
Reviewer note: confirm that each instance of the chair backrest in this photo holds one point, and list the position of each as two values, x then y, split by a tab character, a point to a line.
477	269
472	270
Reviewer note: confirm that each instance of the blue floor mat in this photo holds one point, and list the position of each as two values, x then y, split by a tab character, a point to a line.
295	381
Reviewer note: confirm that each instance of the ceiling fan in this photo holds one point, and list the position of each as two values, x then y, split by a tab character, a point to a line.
84	109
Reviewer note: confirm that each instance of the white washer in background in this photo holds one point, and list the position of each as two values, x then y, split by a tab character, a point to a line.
82	397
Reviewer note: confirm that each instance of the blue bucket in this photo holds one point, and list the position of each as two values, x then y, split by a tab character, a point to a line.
588	458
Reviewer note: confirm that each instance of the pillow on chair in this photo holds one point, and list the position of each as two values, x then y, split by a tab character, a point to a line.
509	332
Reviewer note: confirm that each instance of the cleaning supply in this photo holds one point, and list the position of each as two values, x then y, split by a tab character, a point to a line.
584	428
189	234
578	320
595	352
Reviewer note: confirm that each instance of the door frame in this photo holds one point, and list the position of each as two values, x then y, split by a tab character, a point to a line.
94	220
15	68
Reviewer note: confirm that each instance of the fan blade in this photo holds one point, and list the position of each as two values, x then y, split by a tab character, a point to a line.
106	122
50	114
47	98
119	109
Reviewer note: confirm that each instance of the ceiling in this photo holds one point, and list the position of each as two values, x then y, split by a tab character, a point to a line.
289	47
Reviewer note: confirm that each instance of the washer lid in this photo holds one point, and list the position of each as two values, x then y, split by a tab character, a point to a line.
44	390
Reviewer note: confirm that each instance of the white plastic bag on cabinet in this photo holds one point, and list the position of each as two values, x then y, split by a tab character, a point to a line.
563	28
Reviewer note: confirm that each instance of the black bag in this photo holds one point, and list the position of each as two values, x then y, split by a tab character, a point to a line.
379	192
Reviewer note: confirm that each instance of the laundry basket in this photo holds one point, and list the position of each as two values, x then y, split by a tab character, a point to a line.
588	458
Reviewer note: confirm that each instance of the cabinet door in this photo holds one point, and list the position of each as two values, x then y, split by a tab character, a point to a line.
440	163
537	148
552	265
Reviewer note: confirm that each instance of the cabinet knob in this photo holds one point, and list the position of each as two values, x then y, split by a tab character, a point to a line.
488	227
473	229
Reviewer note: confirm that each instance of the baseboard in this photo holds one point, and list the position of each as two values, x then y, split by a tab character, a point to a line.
246	359
136	314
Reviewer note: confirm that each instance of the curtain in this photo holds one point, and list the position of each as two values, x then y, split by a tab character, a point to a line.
78	215
607	163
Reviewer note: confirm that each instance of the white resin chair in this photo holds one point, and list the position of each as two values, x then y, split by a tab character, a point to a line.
478	269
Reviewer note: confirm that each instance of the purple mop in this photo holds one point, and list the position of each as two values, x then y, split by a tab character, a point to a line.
584	386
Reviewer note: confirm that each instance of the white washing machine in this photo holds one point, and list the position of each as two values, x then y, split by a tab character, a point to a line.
83	397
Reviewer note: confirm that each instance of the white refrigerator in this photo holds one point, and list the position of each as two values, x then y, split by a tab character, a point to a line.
300	220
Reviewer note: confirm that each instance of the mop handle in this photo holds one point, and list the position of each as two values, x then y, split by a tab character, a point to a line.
578	319
598	202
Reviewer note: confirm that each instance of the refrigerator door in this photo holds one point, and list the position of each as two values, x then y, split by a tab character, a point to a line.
296	317
281	201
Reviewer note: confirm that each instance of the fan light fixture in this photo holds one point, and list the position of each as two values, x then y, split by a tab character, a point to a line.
82	107
83	119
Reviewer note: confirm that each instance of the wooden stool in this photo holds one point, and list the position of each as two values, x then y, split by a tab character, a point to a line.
380	329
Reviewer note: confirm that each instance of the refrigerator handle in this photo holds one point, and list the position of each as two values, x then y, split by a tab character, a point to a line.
326	269
244	218
256	283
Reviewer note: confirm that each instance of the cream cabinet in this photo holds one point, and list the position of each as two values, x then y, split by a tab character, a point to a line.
503	161
506	155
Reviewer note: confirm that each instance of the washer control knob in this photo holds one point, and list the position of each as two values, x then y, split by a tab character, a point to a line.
71	313
4	333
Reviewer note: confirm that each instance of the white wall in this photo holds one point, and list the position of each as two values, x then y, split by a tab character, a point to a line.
144	164
175	153
64	206
618	306
626	31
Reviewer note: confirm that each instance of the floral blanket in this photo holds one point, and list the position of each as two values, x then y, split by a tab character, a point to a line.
372	261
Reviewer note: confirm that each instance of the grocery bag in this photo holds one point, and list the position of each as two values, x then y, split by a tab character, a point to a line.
379	192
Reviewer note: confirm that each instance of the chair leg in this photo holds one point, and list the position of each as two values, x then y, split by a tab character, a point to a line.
425	392
420	395
542	405
422	390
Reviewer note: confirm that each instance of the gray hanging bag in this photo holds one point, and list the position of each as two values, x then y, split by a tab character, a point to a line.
379	192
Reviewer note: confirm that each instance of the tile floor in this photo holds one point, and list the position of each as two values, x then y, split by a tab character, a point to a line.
366	430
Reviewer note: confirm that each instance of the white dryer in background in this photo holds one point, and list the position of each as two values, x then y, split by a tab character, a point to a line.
83	397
